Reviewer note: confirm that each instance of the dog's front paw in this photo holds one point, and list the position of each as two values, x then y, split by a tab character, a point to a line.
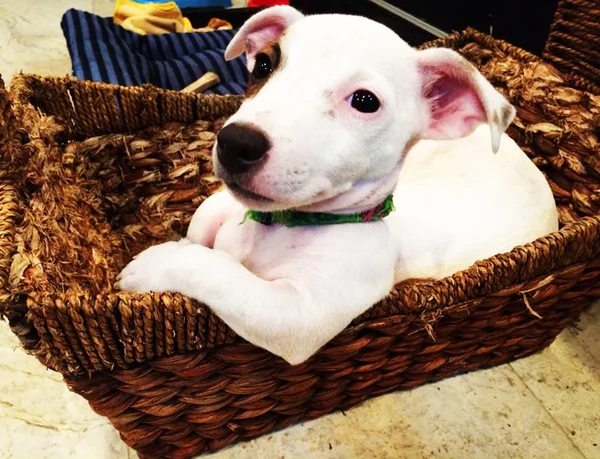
153	270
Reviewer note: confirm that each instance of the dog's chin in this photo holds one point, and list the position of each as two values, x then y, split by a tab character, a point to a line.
249	198
255	201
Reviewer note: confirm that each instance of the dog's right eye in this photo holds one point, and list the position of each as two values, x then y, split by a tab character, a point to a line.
262	67
365	101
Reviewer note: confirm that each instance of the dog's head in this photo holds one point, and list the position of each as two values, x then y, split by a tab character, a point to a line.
333	104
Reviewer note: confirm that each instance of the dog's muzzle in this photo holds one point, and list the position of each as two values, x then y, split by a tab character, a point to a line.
241	147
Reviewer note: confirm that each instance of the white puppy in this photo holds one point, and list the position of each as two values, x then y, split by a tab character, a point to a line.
342	113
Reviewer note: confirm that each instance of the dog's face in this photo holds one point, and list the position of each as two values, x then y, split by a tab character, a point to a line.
333	104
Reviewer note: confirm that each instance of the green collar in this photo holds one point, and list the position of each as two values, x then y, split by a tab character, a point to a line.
292	218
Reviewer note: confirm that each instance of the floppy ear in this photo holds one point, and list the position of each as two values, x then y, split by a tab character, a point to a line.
260	30
458	98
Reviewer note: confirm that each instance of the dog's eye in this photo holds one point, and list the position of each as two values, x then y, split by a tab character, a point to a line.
262	67
365	101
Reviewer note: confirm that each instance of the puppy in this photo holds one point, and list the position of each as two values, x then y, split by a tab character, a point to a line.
341	114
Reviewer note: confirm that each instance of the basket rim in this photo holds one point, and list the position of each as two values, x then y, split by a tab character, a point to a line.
20	90
460	37
425	295
9	214
110	104
471	34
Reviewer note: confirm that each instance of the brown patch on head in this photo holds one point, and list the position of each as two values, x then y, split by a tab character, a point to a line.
495	118
506	115
273	53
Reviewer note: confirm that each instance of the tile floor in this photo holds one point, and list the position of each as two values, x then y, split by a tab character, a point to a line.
545	406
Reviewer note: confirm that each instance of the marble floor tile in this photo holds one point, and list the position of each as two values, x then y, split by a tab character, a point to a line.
34	18
40	418
566	380
57	67
104	8
30	33
484	414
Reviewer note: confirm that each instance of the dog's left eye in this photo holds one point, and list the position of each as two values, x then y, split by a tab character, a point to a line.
365	101
262	67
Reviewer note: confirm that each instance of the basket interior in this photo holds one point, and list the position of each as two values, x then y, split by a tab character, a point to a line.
91	204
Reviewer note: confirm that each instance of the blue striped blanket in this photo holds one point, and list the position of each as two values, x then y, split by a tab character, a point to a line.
103	51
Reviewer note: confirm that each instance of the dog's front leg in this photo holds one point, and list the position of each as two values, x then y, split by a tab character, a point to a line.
209	217
291	316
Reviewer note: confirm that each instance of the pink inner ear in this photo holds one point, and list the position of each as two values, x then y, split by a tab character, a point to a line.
454	106
262	37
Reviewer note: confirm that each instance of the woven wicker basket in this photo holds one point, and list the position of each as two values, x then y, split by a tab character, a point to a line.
574	42
173	378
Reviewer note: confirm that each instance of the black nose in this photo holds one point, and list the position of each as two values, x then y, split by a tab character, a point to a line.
239	147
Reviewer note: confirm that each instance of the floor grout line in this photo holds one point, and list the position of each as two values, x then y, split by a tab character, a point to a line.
558	424
592	358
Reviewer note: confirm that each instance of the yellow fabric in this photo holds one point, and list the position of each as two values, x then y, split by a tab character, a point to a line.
150	18
158	18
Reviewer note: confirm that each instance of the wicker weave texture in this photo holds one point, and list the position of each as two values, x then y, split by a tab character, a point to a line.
169	374
126	191
184	405
86	110
574	42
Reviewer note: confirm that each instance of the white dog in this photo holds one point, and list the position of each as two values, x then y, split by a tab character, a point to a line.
341	114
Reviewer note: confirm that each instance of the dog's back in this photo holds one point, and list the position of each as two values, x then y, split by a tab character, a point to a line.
458	202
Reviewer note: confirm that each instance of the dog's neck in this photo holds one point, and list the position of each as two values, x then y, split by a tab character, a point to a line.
362	197
294	218
365	202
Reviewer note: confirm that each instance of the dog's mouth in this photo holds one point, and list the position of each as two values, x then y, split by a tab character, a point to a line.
245	194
